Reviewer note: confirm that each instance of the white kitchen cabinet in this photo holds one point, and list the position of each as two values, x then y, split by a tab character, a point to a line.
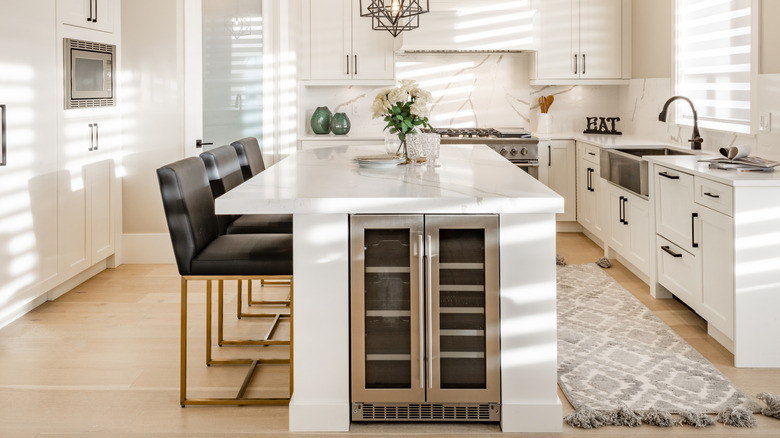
28	198
629	227
674	207
582	40
86	191
705	238
90	14
557	170
592	197
344	47
717	270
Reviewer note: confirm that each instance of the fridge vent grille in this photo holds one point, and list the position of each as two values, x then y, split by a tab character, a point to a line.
429	412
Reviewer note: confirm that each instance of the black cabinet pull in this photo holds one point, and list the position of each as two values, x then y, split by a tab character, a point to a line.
356	65
549	155
621	211
583	63
666	175
670	252
711	195
693	230
347	64
97	137
199	143
589	179
3	157
625	202
94	18
91	137
591	153
89	18
576	67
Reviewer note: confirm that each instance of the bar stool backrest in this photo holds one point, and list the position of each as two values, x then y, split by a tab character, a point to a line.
189	209
250	156
225	174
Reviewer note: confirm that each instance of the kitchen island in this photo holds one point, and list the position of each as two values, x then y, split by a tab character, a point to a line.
322	188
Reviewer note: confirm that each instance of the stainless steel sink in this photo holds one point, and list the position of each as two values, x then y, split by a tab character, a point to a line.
626	168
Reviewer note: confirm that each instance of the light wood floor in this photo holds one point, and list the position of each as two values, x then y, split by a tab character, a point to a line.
102	361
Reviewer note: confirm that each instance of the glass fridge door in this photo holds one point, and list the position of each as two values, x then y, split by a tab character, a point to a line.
462	297
387	349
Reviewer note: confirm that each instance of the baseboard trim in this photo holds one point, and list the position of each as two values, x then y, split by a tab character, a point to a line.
568	227
532	418
68	285
147	249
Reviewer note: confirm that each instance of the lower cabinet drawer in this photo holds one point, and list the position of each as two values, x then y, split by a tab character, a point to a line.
715	195
679	271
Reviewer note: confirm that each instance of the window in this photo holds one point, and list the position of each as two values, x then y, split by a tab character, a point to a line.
713	62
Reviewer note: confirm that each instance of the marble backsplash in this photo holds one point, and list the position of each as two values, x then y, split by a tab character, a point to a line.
469	90
642	100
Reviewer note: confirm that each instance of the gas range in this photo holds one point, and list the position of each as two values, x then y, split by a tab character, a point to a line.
516	145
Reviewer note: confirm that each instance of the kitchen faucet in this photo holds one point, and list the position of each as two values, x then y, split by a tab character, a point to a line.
696	139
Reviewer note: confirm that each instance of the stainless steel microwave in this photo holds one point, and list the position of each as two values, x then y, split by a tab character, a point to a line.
89	74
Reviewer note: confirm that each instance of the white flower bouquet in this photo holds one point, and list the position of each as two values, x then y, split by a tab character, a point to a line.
404	108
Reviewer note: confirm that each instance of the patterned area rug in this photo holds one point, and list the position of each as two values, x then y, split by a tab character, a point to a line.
613	351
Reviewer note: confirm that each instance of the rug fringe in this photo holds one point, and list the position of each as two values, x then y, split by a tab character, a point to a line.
585	418
655	417
736	417
772	408
696	419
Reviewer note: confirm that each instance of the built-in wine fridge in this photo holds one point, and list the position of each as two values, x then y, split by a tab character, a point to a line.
425	318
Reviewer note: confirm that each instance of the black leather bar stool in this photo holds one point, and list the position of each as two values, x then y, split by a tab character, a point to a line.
250	157
203	254
224	171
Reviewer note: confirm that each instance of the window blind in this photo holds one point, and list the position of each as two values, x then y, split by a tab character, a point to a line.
713	47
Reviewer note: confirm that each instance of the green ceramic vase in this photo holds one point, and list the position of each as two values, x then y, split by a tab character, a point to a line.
339	124
320	120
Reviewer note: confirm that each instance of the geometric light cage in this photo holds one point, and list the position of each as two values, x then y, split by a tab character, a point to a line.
394	16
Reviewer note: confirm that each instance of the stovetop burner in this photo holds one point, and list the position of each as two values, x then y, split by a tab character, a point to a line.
481	133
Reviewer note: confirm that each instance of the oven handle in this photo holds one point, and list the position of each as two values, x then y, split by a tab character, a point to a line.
526	164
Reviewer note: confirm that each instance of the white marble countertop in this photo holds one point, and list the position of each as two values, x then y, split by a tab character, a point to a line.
470	179
334	137
691	164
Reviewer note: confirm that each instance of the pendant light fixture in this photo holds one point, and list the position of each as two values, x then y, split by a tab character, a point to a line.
394	16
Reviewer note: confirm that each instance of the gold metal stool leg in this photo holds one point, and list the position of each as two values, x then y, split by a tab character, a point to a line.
253	363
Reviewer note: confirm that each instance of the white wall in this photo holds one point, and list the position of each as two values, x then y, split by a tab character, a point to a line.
153	122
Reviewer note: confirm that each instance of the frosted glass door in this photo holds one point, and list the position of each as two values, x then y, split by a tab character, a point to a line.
463	308
386	308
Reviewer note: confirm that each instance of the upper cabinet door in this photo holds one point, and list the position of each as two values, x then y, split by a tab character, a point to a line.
372	50
89	14
331	39
600	39
558	25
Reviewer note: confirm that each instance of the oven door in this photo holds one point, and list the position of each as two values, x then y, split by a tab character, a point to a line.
531	167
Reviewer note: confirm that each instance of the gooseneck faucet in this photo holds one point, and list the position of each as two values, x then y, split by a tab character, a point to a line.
696	139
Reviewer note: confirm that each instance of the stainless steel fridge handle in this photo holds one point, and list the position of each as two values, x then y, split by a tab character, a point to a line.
421	321
429	323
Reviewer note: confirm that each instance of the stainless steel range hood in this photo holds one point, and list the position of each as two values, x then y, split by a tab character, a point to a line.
505	27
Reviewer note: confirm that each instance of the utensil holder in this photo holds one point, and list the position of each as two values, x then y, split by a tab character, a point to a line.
544	124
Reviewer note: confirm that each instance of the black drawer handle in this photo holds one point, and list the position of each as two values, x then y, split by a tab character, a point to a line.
666	175
693	230
711	195
591	153
670	252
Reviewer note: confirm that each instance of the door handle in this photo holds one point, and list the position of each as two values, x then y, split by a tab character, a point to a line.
429	323
583	63
347	64
576	67
421	312
199	143
666	175
670	252
356	70
693	230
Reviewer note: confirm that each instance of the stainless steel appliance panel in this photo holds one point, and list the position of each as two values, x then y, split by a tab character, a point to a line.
462	294
387	308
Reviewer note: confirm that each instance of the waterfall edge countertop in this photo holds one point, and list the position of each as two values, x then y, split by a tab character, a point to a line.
470	179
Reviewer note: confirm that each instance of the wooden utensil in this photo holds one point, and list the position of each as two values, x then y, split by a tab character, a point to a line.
548	101
542	104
